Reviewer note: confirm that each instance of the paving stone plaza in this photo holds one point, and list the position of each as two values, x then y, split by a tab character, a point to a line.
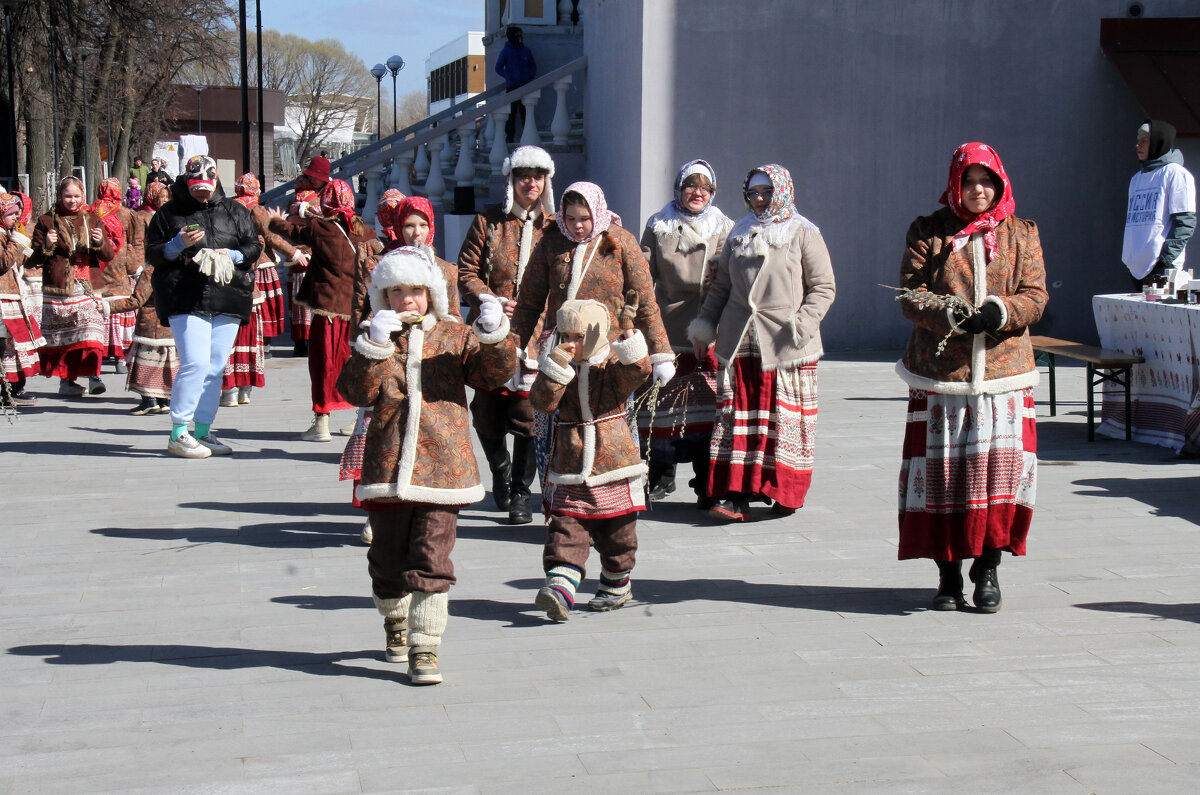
206	626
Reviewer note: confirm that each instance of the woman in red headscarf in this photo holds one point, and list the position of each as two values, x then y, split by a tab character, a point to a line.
385	213
20	334
968	476
121	273
340	242
271	309
71	247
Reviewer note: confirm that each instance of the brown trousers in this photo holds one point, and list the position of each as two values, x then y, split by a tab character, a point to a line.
569	541
411	550
495	415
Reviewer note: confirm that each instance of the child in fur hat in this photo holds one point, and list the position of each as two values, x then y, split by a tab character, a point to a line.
595	475
412	367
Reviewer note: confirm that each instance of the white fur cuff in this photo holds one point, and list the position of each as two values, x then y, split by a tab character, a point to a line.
556	372
700	330
659	358
994	299
632	349
364	346
952	319
491	337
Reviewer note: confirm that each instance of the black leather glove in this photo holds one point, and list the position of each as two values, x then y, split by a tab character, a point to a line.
970	325
992	316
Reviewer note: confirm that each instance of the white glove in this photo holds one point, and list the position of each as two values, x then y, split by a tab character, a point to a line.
217	265
384	324
491	313
105	310
663	372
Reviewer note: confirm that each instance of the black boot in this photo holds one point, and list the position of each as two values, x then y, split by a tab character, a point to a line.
662	480
949	594
300	349
495	449
524	467
701	464
987	585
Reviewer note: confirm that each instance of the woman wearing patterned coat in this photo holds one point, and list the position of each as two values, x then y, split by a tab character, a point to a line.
969	471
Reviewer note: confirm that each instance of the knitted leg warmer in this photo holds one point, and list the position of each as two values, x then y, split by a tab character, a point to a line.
613	582
394	608
564	579
427	619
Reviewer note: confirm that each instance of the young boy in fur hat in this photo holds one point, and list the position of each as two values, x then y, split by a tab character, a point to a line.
412	367
595	472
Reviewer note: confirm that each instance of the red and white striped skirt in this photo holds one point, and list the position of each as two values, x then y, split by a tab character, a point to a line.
969	474
595	502
245	366
273	309
352	456
118	333
74	332
23	337
301	315
152	368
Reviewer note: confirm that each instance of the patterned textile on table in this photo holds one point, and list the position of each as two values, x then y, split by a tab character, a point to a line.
273	309
765	430
301	315
969	474
352	456
23	338
596	502
74	332
152	369
245	366
687	404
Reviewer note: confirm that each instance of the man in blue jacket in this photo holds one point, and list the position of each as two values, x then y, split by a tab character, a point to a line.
517	67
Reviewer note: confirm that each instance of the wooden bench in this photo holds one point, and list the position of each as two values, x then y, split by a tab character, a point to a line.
1116	367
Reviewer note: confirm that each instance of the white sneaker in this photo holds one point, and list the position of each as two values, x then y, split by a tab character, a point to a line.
367	535
229	398
244	395
215	445
187	447
319	430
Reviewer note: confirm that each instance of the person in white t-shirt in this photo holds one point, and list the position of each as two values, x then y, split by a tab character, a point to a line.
1161	214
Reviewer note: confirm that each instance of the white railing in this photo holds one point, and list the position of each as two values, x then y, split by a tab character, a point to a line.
463	145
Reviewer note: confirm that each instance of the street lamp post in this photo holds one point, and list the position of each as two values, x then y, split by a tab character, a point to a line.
245	85
378	71
262	169
199	121
395	64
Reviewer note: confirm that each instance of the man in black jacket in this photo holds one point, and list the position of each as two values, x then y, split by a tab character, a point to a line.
203	247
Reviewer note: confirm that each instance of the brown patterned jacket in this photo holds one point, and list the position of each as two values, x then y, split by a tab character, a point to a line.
1015	280
137	238
491	253
592	441
74	248
617	265
272	243
418	447
126	263
328	286
148	330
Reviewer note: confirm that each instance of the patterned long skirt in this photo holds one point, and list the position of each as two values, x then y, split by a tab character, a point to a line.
22	338
74	332
32	293
245	365
596	502
273	309
766	429
329	350
352	456
301	315
969	474
118	333
153	365
686	408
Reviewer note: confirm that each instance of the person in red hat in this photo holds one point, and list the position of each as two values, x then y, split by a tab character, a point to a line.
315	177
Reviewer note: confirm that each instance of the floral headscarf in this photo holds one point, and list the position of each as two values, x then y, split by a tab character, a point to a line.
966	156
155	196
246	190
687	170
8	203
415	204
62	187
385	211
337	200
108	197
26	208
602	217
783	193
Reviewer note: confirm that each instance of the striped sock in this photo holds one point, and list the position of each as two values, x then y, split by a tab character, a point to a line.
614	582
564	579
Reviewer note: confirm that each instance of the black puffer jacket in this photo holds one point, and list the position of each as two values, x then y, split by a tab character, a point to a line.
179	286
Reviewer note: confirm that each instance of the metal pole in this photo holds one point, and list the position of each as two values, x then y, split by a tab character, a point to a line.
87	129
394	102
378	110
199	120
262	169
245	87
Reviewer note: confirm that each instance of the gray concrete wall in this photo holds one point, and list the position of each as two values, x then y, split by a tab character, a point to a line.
864	102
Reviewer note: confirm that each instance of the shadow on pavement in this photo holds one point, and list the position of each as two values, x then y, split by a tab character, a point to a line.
215	658
281	508
305	602
267	535
84	449
1157	612
1168	496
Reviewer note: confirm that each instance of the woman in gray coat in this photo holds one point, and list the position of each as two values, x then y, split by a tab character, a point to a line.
774	284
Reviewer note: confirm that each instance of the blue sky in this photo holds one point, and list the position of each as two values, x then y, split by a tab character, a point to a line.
377	29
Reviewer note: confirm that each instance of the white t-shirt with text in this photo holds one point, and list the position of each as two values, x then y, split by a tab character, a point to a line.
1154	196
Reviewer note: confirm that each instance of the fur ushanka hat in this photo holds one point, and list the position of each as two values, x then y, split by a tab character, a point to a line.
529	157
409	266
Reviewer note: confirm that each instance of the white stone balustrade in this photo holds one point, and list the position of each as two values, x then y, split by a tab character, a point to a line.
499	144
530	137
435	186
374	178
421	164
404	160
464	172
560	125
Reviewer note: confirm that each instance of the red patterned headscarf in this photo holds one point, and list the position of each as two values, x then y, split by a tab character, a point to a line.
246	190
108	197
602	217
966	156
337	199
26	208
156	195
385	211
415	204
8	203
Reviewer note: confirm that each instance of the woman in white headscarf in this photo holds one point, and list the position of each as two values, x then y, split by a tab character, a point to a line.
774	284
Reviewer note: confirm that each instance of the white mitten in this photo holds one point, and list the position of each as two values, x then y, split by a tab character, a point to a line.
491	313
663	372
384	324
216	265
105	310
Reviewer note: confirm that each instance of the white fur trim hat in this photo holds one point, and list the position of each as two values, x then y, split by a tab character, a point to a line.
529	157
411	266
